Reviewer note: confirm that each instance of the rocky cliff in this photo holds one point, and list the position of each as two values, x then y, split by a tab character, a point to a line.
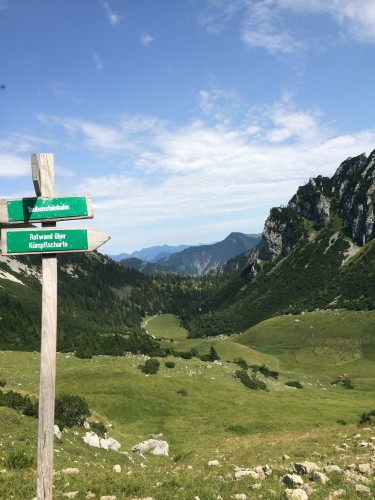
349	194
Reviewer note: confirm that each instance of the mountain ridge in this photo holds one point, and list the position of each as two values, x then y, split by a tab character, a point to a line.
198	260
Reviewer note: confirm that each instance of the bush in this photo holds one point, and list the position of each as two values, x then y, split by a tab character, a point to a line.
151	366
18	459
268	373
345	382
31	409
241	363
170	364
83	352
251	383
211	357
240	430
183	392
294	383
70	410
367	418
16	401
2	382
99	428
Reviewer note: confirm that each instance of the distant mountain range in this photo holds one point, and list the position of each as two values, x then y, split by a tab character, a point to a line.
196	260
151	254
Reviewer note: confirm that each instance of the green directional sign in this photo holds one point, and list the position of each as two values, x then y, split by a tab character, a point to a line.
50	240
45	209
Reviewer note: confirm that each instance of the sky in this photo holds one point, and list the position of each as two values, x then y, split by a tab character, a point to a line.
184	120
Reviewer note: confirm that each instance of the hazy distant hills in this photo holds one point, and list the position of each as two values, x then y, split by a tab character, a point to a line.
151	254
196	260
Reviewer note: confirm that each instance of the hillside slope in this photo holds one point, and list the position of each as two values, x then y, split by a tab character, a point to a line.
311	254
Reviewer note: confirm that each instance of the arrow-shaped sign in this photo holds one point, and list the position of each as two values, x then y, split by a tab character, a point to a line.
45	209
51	240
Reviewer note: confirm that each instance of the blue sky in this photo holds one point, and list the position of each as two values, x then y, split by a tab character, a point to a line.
184	120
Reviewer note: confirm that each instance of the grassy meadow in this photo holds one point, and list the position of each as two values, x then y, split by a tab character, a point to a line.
204	412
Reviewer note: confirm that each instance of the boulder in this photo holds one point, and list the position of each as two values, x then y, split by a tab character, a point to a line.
94	440
239	474
320	477
292	480
155	446
91	439
110	444
57	432
296	494
305	467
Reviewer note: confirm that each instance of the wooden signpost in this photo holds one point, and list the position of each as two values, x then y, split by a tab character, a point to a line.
48	241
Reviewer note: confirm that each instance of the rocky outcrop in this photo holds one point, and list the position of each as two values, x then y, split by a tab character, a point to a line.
354	186
349	194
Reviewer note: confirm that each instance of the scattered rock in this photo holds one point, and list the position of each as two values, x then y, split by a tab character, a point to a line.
292	480
332	468
117	468
285	457
71	494
319	477
296	494
239	474
57	432
71	470
364	490
213	463
110	444
154	445
337	494
240	496
305	467
365	469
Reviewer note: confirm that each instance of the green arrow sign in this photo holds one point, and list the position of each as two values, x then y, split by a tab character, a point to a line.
45	209
50	240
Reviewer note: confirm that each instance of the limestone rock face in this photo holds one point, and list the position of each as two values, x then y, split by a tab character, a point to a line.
351	192
354	186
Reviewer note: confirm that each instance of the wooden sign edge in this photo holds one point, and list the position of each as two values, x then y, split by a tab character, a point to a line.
95	239
4	218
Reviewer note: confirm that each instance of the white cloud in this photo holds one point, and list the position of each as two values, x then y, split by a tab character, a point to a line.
97	61
112	17
13	165
264	24
146	39
163	173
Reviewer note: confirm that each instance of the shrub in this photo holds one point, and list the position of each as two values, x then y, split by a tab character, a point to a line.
241	363
70	410
368	417
251	383
18	459
183	392
240	430
31	409
341	421
2	382
83	352
345	382
170	364
151	366
211	357
268	373
99	428
294	383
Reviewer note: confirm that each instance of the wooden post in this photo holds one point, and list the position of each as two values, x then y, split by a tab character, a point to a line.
45	186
